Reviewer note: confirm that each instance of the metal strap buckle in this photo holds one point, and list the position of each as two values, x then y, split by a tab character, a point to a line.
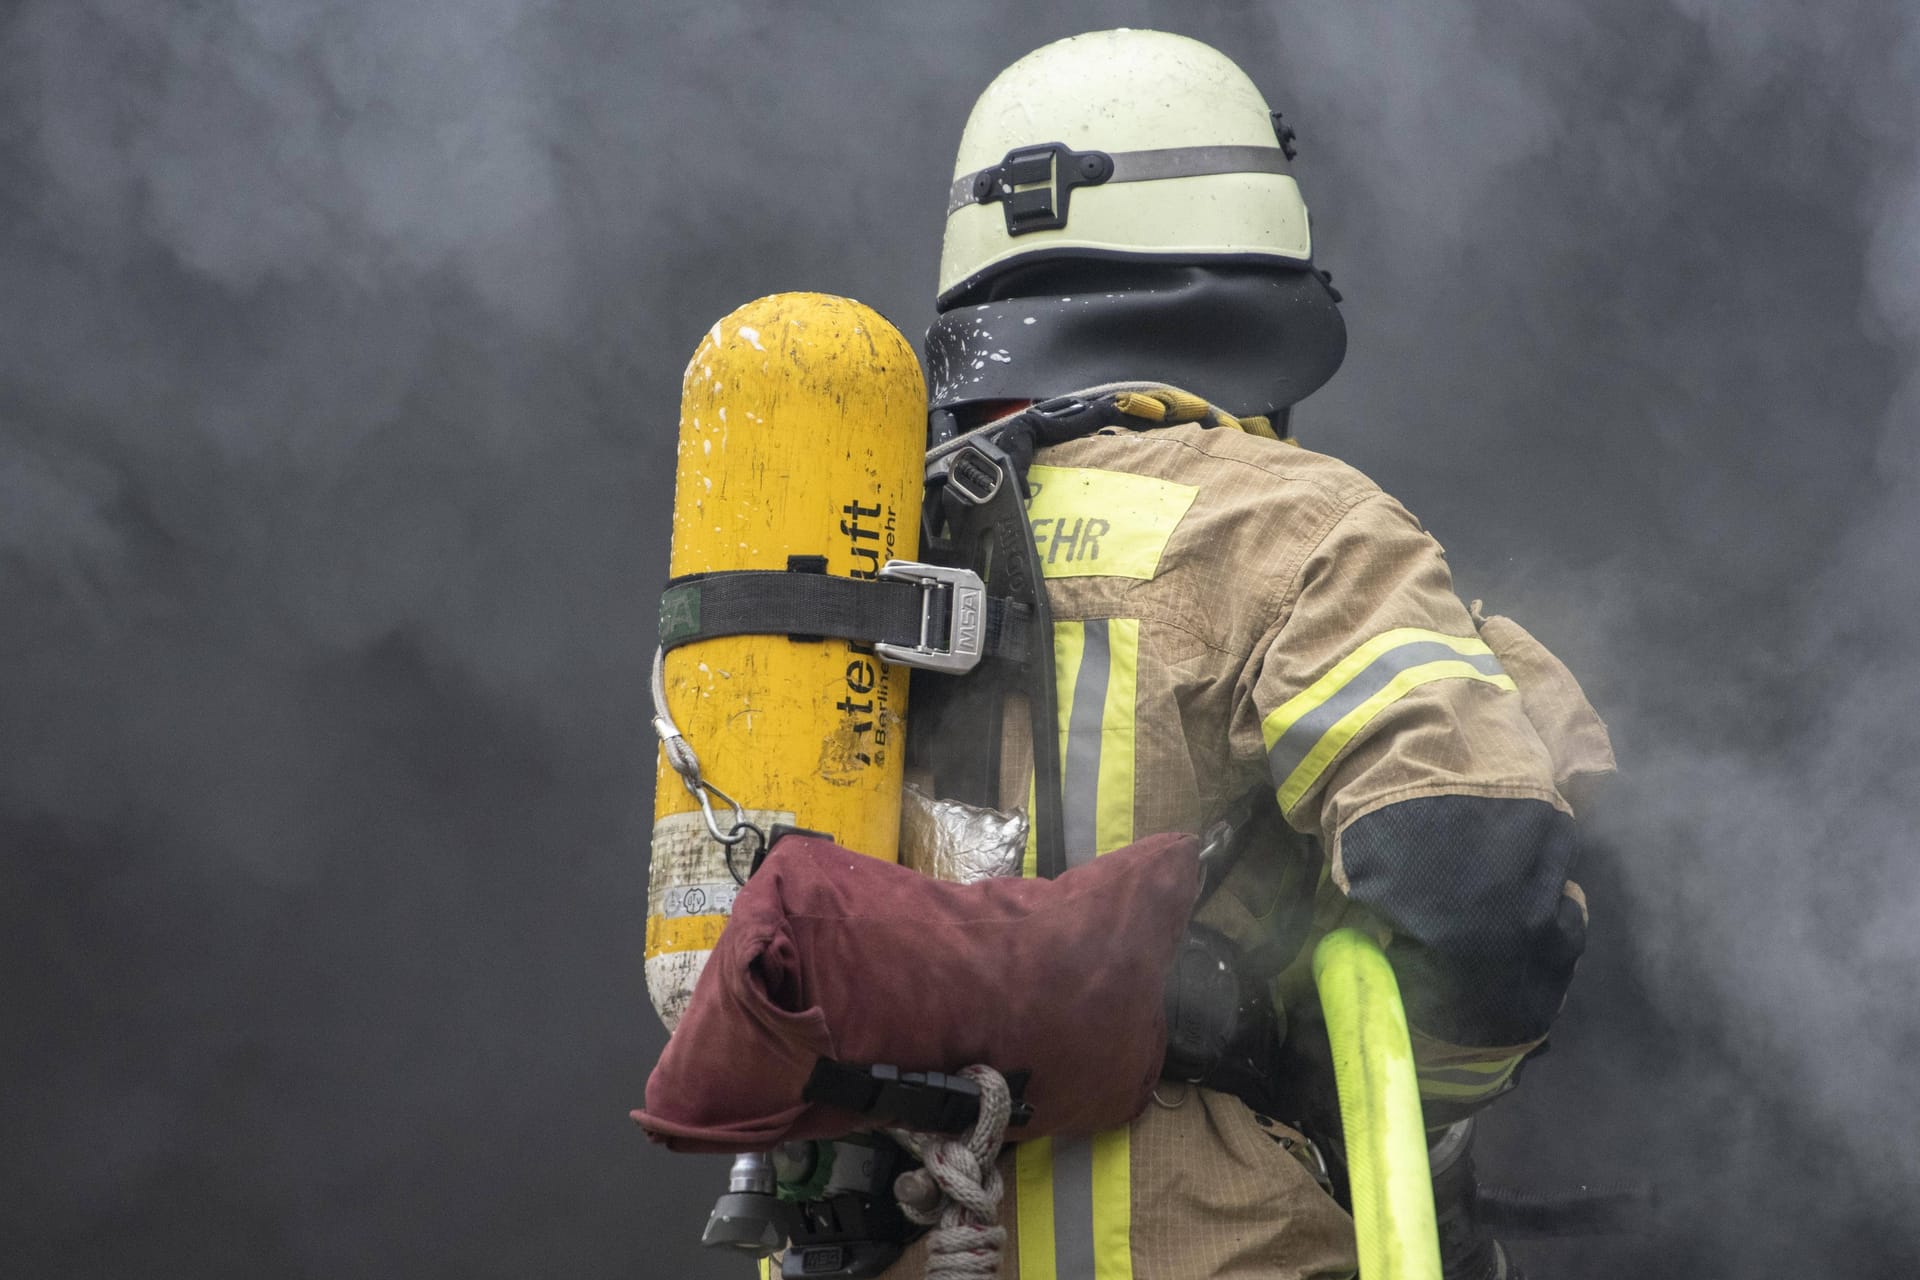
966	620
973	477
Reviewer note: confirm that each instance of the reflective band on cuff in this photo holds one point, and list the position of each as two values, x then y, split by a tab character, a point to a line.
1466	1081
1305	734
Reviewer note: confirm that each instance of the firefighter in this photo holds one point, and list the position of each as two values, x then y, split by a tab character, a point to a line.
1230	611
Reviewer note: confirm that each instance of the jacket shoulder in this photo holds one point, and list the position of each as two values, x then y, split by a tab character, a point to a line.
1222	461
1225	524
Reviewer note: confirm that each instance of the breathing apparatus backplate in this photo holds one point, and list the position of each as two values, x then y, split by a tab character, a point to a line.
1252	340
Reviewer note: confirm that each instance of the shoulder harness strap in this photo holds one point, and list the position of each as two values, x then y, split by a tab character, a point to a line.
975	516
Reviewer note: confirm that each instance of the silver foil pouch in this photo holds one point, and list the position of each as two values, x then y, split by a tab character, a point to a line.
949	840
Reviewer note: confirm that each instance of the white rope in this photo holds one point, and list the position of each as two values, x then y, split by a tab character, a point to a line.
957	1192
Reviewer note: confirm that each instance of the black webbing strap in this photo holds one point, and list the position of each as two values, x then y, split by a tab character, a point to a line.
866	610
978	492
780	602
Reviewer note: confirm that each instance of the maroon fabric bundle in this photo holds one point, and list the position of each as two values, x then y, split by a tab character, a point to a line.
833	954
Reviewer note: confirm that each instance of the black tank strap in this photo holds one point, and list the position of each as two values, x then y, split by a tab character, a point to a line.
920	615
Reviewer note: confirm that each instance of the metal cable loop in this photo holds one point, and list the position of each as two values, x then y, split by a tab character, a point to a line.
682	758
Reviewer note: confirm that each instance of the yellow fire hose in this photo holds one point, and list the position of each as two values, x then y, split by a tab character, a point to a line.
1379	1109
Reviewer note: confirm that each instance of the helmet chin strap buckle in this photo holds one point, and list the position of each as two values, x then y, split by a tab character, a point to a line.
1034	185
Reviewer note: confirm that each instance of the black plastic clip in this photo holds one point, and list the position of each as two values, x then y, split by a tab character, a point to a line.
920	1101
774	834
1034	184
1284	132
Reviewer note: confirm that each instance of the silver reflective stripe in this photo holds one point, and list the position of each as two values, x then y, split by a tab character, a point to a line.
1073	1209
1081	768
1195	162
1302	735
1151	166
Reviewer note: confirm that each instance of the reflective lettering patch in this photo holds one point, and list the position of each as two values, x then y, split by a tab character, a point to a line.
1089	523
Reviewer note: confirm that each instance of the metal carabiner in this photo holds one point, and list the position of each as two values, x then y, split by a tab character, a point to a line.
702	790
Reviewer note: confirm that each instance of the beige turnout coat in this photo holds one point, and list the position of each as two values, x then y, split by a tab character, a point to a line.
1231	609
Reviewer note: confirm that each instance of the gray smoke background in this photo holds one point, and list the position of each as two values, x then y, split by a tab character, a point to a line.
340	345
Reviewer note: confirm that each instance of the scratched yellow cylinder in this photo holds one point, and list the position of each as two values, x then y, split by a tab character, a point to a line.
802	430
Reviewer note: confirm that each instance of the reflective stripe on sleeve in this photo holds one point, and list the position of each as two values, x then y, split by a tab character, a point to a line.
1306	733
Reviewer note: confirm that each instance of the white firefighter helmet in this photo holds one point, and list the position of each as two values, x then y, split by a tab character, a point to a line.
1141	144
1123	208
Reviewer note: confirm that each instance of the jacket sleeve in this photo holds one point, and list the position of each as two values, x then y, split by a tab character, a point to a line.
1395	736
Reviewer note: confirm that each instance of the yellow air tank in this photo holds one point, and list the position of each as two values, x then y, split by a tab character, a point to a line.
802	431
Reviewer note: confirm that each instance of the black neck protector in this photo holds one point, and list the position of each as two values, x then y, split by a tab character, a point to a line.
1252	340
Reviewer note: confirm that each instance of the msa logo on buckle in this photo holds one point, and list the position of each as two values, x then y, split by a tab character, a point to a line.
1034	185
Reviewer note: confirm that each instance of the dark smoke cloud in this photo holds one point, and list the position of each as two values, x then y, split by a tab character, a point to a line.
339	352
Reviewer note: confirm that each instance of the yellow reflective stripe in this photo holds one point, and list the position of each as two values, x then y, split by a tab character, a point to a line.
1466	1081
1033	1191
1087	522
1075	1206
1305	733
1112	1205
1112	1224
1096	672
667	934
1349	726
1114	812
1083	704
1074	1199
1276	725
1030	860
